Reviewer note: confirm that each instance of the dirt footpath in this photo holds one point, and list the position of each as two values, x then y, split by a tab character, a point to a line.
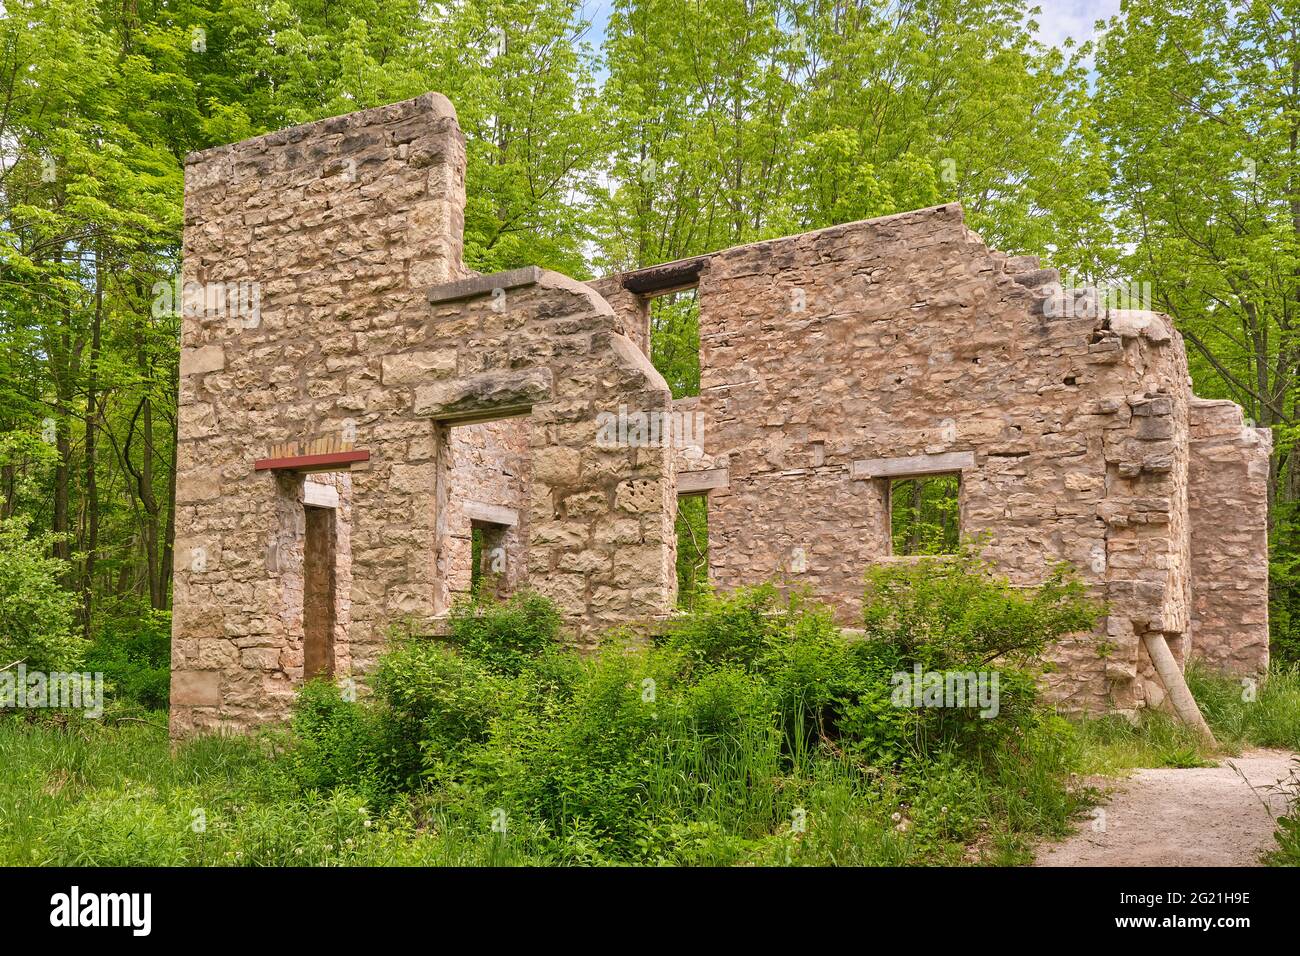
1200	817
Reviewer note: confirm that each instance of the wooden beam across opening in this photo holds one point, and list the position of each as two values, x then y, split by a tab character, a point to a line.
694	482
669	277
913	465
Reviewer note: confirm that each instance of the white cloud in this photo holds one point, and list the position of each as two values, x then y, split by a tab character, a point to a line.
1071	18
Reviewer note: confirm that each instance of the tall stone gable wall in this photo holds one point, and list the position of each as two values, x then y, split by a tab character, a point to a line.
828	356
371	328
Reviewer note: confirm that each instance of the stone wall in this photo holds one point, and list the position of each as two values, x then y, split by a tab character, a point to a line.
486	468
371	335
1229	511
831	362
903	345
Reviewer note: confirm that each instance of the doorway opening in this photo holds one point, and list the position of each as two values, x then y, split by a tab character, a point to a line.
318	598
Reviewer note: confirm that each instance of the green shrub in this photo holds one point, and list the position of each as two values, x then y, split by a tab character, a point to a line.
788	643
954	613
339	743
733	628
133	651
702	750
438	703
37	614
582	763
506	636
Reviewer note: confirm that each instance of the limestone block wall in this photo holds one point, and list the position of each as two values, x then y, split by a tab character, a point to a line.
1145	510
829	356
830	361
1229	513
370	331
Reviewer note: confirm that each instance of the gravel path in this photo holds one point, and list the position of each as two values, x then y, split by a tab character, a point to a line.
1198	817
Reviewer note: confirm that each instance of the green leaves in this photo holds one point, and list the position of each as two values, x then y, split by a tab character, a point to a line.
36	613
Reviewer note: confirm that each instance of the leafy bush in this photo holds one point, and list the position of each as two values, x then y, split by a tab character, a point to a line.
505	636
339	743
36	614
947	616
734	628
439	703
133	651
583	763
701	749
955	613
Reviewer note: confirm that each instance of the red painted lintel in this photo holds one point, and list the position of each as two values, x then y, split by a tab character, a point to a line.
326	462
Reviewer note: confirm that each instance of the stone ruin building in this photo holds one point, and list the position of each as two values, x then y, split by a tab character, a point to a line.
345	442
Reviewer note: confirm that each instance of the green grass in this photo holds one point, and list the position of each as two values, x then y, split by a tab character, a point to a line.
1111	746
86	793
1272	719
89	793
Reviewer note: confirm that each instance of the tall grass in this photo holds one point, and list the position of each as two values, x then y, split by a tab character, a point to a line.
90	795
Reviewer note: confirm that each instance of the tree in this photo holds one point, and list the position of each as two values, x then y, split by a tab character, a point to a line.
1198	105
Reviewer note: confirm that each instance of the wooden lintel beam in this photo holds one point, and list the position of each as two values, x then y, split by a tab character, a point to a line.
665	278
694	482
334	461
914	465
492	514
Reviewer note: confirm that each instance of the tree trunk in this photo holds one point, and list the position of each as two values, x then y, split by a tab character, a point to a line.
914	537
92	490
169	540
1171	675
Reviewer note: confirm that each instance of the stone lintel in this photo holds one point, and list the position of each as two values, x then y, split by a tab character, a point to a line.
914	465
485	397
492	514
316	495
484	285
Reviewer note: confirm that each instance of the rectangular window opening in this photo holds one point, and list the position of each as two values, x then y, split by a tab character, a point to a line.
675	340
925	514
692	549
488	561
318	600
475	560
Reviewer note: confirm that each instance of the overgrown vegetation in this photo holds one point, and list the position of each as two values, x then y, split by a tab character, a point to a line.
132	649
36	612
755	732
